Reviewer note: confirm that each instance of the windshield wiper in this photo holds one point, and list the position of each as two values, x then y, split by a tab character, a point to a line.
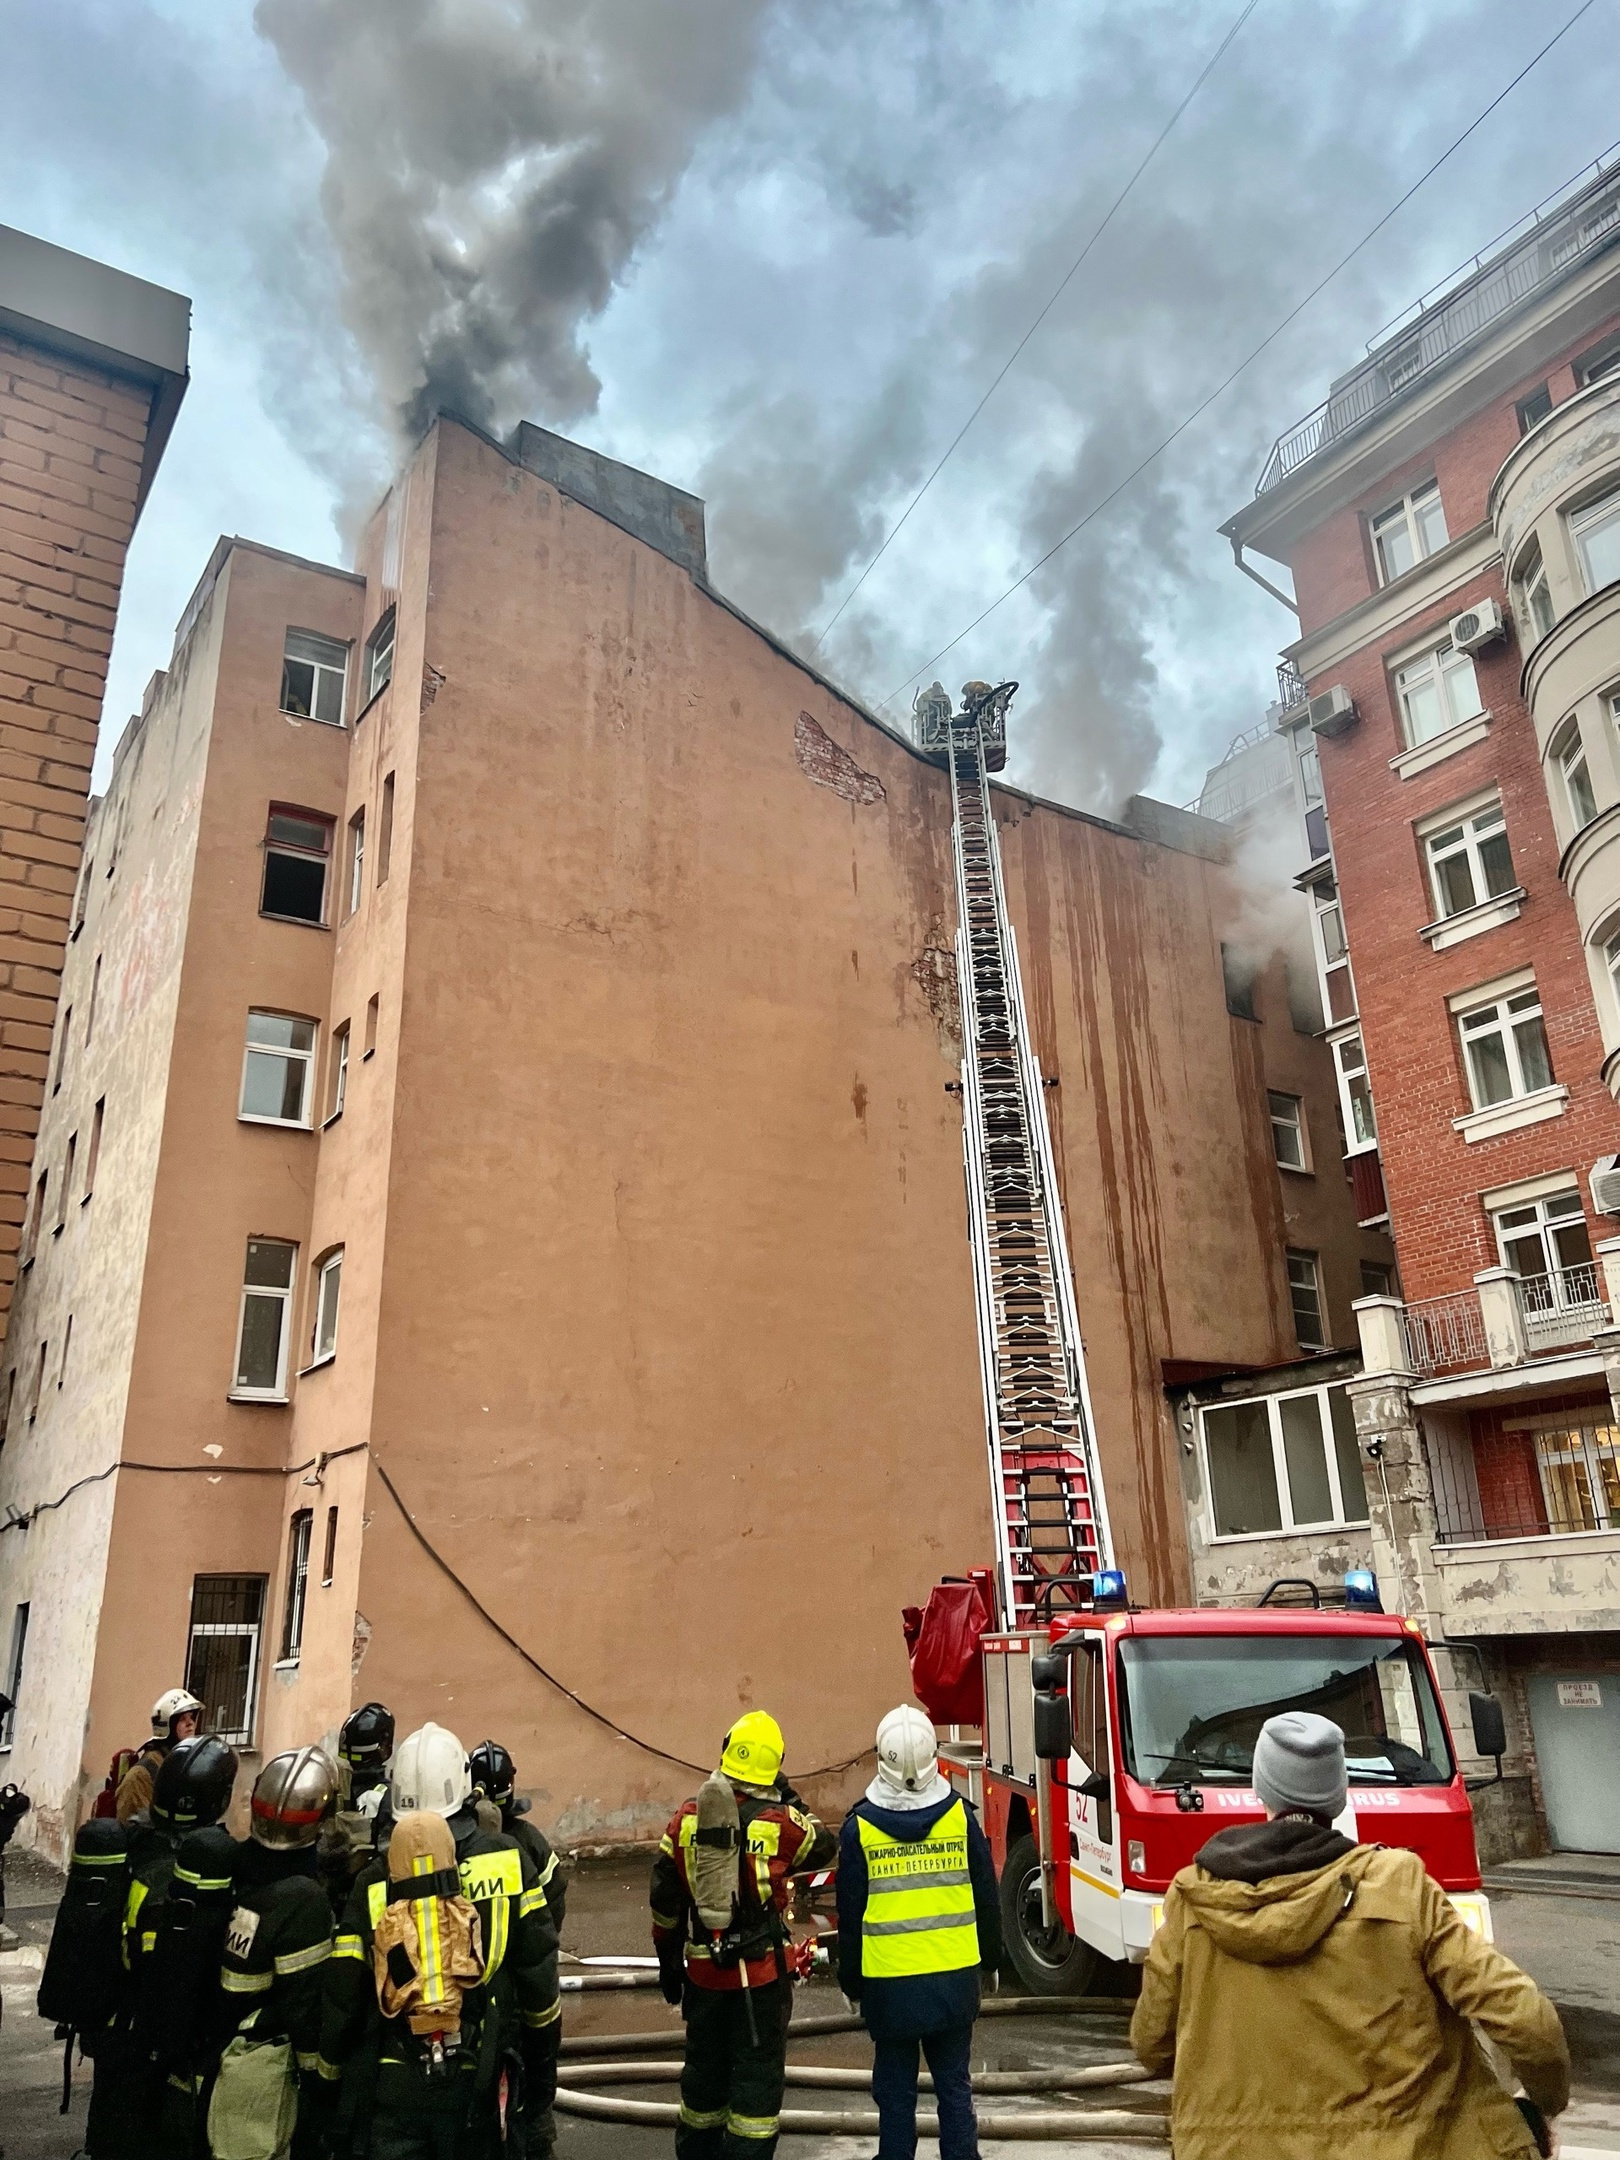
1197	1762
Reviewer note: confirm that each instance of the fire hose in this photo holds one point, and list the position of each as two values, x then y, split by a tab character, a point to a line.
1075	2123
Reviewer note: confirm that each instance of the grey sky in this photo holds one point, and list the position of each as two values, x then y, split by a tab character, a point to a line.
773	250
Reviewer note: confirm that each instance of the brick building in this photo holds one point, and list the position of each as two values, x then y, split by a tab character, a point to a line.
1451	517
92	371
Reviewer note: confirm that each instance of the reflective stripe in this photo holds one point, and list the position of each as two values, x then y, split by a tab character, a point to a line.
429	1916
919	1903
498	1924
100	1859
202	1882
297	1961
241	1983
531	1901
702	2118
544	2017
667	1921
149	1942
331	2072
548	1871
753	2126
349	1946
666	1847
376	1901
309	2062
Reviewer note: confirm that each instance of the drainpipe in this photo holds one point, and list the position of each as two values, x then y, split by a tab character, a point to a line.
1264	584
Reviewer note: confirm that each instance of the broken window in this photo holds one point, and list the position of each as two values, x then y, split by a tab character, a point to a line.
297	849
313	671
380	657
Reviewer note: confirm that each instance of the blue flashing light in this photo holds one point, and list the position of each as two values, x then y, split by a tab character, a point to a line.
1108	1588
1361	1590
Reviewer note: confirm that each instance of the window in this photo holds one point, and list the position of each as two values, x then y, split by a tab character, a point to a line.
67	1344
1355	1093
36	1215
222	1658
1470	861
1597	366
385	830
357	858
94	1156
1305	1294
95	994
1596	532
1288	1131
312	675
278	1069
1238	976
1569	755
62	1050
329	1558
1408	531
328	1284
1535	599
371	1025
1437	691
1546	1245
1505	1046
380	657
337	1085
39	1382
67	1183
1376	1279
82	900
1532	410
263	1327
14	1674
292	1619
1332	951
297	848
1283	1462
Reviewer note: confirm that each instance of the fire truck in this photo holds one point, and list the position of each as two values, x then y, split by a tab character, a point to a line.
1103	1744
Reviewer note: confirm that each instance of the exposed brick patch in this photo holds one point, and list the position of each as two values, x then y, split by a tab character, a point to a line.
432	683
934	973
830	765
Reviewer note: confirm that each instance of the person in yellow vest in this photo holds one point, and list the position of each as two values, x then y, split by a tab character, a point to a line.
919	1921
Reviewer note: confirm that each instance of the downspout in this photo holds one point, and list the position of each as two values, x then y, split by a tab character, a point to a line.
1264	584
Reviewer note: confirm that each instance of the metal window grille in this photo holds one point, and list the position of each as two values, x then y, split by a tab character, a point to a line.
222	1664
292	1624
1518	1484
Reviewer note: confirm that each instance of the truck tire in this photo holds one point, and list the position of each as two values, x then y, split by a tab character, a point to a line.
1038	1960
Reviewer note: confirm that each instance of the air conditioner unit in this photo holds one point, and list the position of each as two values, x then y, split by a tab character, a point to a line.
1479	625
1605	1183
1332	711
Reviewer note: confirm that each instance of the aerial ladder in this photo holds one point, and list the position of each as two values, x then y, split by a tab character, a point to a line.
1051	1517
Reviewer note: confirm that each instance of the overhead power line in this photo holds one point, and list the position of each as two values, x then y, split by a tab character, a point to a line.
1248	361
1060	290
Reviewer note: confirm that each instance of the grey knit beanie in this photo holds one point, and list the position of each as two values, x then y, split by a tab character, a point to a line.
1299	1764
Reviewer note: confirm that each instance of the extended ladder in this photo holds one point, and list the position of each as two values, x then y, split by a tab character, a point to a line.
1050	1512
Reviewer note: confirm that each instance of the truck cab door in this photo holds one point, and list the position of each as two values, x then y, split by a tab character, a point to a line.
1094	1876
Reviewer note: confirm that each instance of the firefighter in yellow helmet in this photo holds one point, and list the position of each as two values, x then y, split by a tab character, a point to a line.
719	1894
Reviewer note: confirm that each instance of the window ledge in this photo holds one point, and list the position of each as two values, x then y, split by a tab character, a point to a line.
1297	1530
1473	921
317	1363
1438	748
299	922
381	691
314	719
246	1395
328	1122
286	1664
284	1124
1296	1169
1506	1117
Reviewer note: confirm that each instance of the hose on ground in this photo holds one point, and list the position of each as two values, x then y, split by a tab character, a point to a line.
1077	2125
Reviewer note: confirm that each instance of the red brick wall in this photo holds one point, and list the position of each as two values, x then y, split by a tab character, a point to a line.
1510	1498
71	441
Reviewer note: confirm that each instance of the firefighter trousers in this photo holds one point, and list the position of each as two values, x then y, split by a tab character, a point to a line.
415	2117
732	2078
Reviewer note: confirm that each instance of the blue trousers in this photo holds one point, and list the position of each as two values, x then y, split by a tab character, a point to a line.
894	2088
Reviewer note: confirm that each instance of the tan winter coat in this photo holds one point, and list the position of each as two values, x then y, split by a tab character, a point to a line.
1326	2014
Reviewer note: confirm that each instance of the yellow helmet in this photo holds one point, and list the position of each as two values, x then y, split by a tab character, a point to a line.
753	1750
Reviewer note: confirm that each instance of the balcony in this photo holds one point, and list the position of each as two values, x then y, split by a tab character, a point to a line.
1506	1323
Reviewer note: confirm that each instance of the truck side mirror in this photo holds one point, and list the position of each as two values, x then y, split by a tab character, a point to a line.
1054	1728
1490	1727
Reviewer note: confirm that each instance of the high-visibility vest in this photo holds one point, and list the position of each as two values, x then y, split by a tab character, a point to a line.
919	1900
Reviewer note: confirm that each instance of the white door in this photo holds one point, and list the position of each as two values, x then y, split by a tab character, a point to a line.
1576	1721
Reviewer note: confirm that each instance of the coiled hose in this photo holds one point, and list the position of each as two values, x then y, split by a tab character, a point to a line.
1075	2123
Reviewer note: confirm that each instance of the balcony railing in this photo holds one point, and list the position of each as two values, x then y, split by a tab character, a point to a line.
1446	1334
1558	237
1563	1307
1508	1320
1291	691
1547	1483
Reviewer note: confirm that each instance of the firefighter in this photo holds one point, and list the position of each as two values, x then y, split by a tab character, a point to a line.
719	1894
176	1716
177	2018
415	2099
494	1779
349	1838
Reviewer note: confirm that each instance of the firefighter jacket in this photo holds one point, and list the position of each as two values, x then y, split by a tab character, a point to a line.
780	1839
276	1949
153	1855
517	1998
134	1794
919	1916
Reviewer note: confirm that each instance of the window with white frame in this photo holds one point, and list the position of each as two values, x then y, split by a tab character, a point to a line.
263	1328
297	849
313	671
1408	531
380	657
222	1658
1469	860
357	859
1283	1462
1288	1130
1545	1243
1534	596
1505	1048
1569	755
1437	691
1332	953
1305	1295
292	1615
328	1285
14	1675
278	1069
337	1085
1355	1094
1596	533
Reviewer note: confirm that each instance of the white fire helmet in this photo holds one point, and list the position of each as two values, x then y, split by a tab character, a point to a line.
907	1751
429	1771
170	1706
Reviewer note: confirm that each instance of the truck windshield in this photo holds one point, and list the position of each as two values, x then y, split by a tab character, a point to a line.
1192	1705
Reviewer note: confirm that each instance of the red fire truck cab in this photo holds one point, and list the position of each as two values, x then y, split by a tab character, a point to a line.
1114	1743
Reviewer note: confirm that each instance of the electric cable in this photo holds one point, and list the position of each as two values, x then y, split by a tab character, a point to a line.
1062	287
163	1469
1269	339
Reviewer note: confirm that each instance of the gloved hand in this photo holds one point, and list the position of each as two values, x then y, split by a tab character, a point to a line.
671	1971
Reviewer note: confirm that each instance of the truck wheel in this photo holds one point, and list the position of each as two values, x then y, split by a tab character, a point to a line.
1042	1961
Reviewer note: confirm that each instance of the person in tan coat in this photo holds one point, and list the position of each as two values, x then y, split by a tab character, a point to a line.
1313	1997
